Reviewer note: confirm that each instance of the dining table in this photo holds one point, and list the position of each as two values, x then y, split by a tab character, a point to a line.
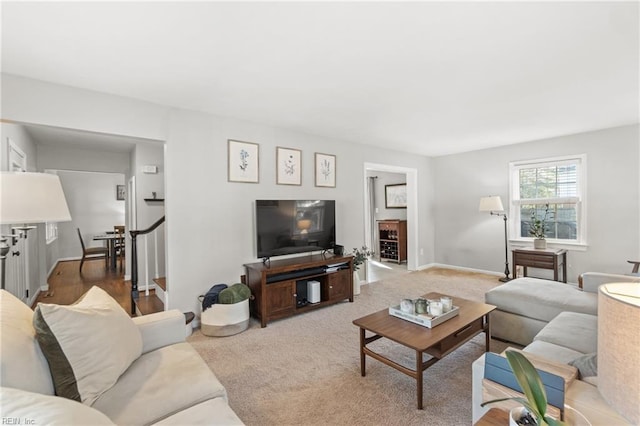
111	239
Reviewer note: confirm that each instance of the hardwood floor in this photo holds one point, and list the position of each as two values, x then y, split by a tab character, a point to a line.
66	284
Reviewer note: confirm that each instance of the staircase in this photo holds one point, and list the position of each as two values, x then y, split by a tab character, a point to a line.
151	300
154	301
148	304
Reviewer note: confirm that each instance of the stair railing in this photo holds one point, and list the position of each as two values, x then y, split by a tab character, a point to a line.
134	260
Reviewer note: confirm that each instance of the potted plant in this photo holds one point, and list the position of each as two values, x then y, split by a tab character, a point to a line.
538	228
360	256
535	400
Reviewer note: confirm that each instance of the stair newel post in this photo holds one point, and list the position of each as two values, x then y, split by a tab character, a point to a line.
134	271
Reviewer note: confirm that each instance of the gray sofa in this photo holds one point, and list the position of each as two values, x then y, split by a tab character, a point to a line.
558	322
526	305
168	384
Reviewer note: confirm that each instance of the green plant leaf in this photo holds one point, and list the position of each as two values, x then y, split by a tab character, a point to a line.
530	382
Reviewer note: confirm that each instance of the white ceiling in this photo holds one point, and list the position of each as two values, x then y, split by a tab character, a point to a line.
426	77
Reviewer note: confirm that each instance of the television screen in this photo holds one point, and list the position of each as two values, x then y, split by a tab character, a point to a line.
294	226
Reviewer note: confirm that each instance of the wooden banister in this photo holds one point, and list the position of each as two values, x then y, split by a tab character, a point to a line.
134	260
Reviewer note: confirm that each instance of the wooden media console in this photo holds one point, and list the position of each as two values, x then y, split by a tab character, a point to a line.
277	285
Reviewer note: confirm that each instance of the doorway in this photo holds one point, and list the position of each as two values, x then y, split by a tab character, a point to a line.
375	209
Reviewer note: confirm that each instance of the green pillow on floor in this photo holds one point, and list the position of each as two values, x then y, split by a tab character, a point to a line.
234	294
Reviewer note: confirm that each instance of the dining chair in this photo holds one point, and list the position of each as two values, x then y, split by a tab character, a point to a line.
119	243
92	252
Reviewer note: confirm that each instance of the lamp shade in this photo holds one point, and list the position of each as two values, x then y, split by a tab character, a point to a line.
619	348
32	198
493	203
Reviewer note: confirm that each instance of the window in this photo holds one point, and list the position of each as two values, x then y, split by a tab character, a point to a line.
51	228
51	231
556	182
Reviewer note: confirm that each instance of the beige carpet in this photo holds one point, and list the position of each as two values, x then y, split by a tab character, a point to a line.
305	370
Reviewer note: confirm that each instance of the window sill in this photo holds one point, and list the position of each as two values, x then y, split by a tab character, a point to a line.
521	243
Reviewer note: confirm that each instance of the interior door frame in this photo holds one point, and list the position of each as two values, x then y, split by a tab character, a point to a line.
412	208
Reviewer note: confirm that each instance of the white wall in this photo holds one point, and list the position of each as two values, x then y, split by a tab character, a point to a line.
94	209
209	220
386	178
214	217
37	102
88	160
466	237
148	212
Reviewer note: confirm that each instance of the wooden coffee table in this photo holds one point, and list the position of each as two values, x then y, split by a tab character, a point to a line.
438	341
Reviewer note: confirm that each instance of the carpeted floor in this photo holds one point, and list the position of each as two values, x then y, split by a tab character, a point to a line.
305	370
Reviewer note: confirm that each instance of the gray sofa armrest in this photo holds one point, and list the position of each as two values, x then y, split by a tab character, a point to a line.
161	329
590	281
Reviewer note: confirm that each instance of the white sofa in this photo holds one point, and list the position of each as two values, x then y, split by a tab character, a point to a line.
563	335
168	384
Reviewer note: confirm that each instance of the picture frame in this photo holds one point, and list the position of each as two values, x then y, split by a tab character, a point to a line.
243	162
325	170
288	166
395	196
120	192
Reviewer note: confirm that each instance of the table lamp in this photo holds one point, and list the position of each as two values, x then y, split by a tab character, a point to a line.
619	348
28	198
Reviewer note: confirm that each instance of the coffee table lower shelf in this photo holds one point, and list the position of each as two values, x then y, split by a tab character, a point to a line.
436	342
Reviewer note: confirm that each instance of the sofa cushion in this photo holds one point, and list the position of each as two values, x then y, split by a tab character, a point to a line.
541	299
553	352
88	345
159	384
587	365
572	330
40	409
214	411
23	366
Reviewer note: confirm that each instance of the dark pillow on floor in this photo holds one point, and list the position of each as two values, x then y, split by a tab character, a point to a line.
587	365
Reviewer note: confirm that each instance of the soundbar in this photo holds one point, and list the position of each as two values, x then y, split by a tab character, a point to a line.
295	274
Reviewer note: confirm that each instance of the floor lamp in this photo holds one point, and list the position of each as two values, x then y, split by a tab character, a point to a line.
493	204
28	198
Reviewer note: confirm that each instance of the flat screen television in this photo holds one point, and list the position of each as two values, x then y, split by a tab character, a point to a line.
294	226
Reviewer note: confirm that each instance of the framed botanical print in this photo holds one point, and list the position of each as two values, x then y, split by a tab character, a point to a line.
395	196
243	162
325	170
288	166
120	192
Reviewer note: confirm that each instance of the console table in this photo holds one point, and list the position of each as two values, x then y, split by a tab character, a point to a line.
541	258
279	287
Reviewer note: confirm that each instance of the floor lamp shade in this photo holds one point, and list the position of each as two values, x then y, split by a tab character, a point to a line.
491	203
619	348
32	198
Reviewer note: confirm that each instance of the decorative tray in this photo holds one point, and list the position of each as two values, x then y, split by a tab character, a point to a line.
425	320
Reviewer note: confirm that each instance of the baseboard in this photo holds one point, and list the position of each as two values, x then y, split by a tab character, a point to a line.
462	268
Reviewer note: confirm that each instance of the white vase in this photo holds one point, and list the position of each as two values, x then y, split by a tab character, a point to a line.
540	243
356	283
516	413
363	271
